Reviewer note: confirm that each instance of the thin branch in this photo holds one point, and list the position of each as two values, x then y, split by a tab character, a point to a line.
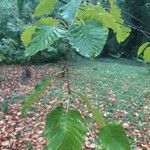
136	28
132	16
140	31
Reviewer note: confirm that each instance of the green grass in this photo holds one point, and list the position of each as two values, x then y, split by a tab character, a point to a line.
115	86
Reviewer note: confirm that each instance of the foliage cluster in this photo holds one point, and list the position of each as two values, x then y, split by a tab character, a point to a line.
82	26
14	15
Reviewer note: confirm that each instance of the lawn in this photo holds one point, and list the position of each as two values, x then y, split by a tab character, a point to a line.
120	88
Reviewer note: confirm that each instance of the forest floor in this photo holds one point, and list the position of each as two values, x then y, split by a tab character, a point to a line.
120	88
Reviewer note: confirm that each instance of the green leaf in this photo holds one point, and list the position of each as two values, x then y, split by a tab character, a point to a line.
69	11
98	117
45	7
144	52
95	112
88	39
115	11
113	137
122	32
65	130
49	21
110	20
26	36
35	96
43	38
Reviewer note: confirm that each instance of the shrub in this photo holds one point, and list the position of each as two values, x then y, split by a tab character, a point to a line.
85	26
